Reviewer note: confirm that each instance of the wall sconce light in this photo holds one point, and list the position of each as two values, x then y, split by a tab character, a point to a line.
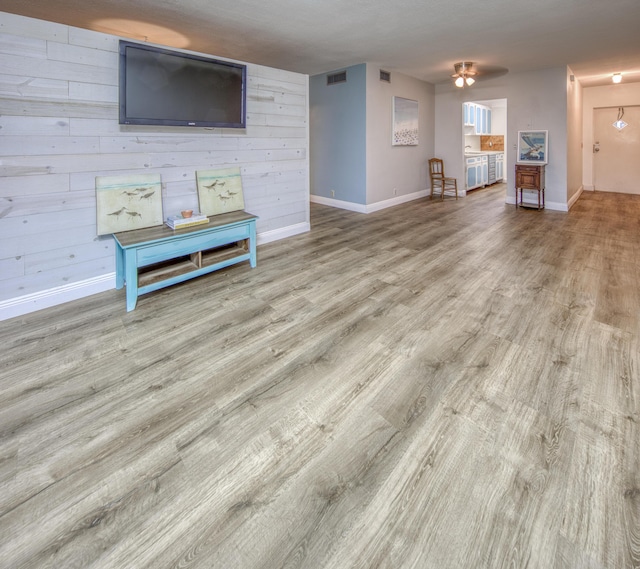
616	77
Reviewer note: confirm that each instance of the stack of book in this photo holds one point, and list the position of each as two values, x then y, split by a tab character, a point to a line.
179	222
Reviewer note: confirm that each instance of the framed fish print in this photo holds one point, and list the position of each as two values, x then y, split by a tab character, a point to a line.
532	146
128	202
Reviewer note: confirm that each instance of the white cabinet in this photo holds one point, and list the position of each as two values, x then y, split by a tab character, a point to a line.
485	170
477	171
469	112
483	120
477	116
472	172
499	167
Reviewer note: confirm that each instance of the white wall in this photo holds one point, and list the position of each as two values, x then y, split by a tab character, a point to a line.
59	125
535	100
574	139
400	168
621	95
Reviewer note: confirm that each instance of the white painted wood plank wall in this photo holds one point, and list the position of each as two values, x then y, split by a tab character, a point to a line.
59	130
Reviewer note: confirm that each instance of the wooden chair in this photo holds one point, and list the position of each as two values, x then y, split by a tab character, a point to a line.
439	181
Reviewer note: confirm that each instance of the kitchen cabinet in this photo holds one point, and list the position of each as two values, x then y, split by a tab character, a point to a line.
483	120
477	116
492	164
469	110
477	171
472	173
499	167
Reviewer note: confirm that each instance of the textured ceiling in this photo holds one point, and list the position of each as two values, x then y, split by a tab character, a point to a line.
422	38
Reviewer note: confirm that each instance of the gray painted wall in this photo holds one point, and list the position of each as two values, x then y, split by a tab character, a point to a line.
351	150
59	125
338	136
535	100
397	170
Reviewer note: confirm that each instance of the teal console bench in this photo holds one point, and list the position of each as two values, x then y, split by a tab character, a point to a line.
156	257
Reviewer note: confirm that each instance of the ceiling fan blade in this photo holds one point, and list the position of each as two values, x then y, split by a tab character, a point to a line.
489	72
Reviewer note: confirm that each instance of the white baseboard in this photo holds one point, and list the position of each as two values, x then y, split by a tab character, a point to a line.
277	234
555	206
369	208
575	197
52	297
350	206
397	200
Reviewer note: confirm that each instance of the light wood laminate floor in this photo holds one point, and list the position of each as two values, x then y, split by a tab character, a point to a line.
437	385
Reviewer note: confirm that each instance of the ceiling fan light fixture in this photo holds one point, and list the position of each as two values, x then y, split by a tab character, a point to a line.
464	72
616	77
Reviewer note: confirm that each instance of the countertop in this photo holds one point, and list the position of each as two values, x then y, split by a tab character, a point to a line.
472	153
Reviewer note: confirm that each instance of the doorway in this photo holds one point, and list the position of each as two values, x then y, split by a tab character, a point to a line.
484	142
616	148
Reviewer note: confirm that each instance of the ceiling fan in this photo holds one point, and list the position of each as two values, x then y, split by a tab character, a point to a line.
468	72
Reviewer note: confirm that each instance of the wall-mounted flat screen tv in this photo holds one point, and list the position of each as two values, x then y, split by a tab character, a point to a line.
164	87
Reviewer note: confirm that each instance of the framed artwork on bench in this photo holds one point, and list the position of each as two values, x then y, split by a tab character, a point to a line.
219	191
128	202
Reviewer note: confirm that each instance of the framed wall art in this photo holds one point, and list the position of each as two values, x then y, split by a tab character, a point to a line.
128	202
220	191
405	122
532	146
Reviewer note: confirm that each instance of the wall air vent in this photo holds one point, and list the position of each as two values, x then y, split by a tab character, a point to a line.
385	76
340	77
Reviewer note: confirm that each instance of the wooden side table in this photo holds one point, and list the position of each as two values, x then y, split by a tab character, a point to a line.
530	177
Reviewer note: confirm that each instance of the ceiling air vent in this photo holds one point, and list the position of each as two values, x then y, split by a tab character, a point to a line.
385	76
334	78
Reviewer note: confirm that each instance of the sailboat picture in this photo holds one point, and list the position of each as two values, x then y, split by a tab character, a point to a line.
532	146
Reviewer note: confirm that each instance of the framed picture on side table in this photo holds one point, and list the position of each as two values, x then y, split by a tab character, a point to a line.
532	146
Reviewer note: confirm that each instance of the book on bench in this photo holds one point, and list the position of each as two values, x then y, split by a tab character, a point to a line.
179	222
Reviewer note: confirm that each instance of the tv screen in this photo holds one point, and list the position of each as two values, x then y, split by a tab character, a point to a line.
163	87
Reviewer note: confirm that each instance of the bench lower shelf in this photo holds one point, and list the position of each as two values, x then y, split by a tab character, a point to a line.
157	257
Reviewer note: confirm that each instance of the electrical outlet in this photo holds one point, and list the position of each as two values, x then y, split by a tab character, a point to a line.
395	191
333	193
